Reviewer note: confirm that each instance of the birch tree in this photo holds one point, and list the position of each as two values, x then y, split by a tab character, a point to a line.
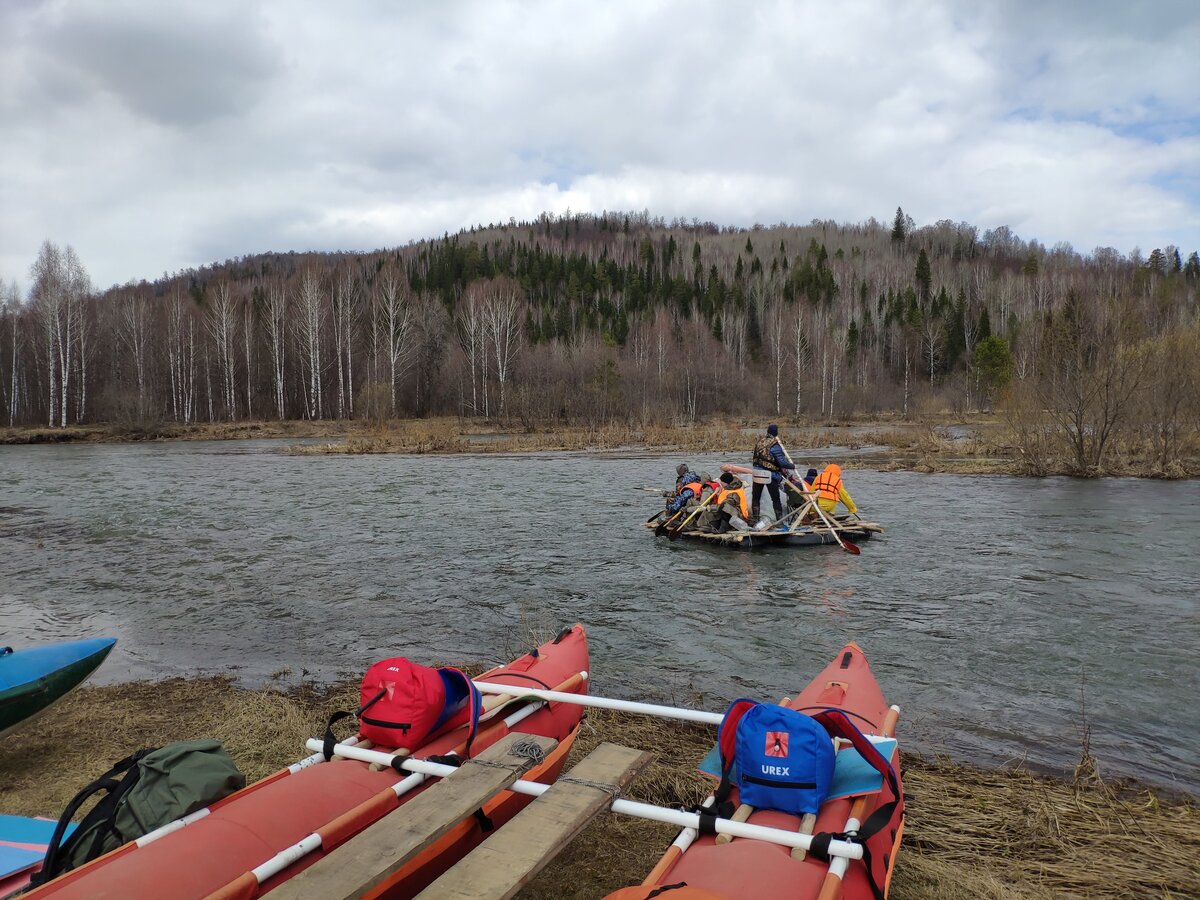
395	320
468	327
133	334
503	322
310	320
222	324
181	356
275	313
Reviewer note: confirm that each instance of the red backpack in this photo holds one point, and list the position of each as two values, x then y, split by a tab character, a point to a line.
403	704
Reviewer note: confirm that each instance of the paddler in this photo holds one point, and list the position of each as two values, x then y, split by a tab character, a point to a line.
830	489
769	455
688	488
732	509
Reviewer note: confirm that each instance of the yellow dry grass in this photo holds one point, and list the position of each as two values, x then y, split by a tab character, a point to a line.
971	832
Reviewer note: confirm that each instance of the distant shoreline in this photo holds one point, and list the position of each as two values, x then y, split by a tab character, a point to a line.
970	831
973	446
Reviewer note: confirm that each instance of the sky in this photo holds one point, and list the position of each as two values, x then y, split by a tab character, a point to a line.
156	136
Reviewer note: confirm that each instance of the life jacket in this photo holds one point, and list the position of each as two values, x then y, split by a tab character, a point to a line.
784	759
829	483
694	486
714	486
404	703
740	495
762	453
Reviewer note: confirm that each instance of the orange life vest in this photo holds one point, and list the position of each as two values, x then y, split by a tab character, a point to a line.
740	495
829	483
695	487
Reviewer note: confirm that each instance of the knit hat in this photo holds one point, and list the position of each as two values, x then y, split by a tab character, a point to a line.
773	430
706	476
681	469
811	476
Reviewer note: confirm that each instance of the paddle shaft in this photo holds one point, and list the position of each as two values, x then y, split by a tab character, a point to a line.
703	503
623	807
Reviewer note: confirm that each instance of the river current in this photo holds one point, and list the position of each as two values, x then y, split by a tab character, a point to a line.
1005	616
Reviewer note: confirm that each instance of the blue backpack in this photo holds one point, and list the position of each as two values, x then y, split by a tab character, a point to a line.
779	759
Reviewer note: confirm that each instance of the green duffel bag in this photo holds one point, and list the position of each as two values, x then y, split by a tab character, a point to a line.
144	791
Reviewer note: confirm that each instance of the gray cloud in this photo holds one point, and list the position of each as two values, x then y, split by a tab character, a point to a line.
154	141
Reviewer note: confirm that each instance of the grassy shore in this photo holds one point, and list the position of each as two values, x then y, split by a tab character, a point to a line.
971	832
975	445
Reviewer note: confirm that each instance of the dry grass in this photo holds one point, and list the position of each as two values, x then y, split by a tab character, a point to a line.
971	832
922	445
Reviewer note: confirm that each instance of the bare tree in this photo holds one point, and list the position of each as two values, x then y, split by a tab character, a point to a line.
309	324
222	324
275	312
396	320
181	356
133	333
502	318
12	312
469	327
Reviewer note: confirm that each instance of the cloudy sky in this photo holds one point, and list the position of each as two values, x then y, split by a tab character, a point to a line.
153	136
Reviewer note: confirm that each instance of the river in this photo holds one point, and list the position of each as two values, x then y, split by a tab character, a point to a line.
1002	614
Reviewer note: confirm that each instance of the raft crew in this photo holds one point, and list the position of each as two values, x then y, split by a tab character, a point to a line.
769	455
830	490
732	510
688	488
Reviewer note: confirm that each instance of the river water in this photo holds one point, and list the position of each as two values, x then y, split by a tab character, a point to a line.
1000	613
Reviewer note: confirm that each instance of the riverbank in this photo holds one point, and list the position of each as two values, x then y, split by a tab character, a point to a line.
970	832
973	445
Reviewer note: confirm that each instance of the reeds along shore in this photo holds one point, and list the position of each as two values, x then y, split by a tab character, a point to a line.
981	445
971	832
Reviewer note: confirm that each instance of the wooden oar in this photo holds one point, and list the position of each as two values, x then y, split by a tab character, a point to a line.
673	534
662	526
845	545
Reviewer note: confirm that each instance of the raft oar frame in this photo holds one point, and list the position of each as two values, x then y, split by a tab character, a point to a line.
636	809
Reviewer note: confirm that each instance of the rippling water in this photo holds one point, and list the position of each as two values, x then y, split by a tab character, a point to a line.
996	611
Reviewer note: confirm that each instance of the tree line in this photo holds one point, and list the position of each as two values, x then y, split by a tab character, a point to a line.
599	318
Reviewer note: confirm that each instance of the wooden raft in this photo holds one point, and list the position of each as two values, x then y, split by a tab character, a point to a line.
370	857
508	860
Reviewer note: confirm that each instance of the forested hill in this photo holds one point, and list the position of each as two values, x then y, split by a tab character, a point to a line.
592	318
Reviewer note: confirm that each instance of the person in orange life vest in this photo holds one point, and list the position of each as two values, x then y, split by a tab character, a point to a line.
732	508
769	455
688	488
830	488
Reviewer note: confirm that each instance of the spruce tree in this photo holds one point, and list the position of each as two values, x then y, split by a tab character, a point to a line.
899	227
924	276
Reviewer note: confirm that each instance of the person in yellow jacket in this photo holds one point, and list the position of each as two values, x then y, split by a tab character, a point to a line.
830	489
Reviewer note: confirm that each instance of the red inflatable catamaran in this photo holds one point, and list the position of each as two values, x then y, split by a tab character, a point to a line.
709	867
257	838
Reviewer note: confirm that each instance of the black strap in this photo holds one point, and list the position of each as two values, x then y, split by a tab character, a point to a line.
665	888
114	789
820	844
330	740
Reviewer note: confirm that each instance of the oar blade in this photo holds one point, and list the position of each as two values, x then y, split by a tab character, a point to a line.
850	547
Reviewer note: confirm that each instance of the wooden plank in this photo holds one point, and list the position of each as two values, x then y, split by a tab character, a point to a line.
369	858
509	859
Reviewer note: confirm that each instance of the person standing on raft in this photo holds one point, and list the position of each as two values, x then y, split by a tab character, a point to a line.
770	456
830	490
